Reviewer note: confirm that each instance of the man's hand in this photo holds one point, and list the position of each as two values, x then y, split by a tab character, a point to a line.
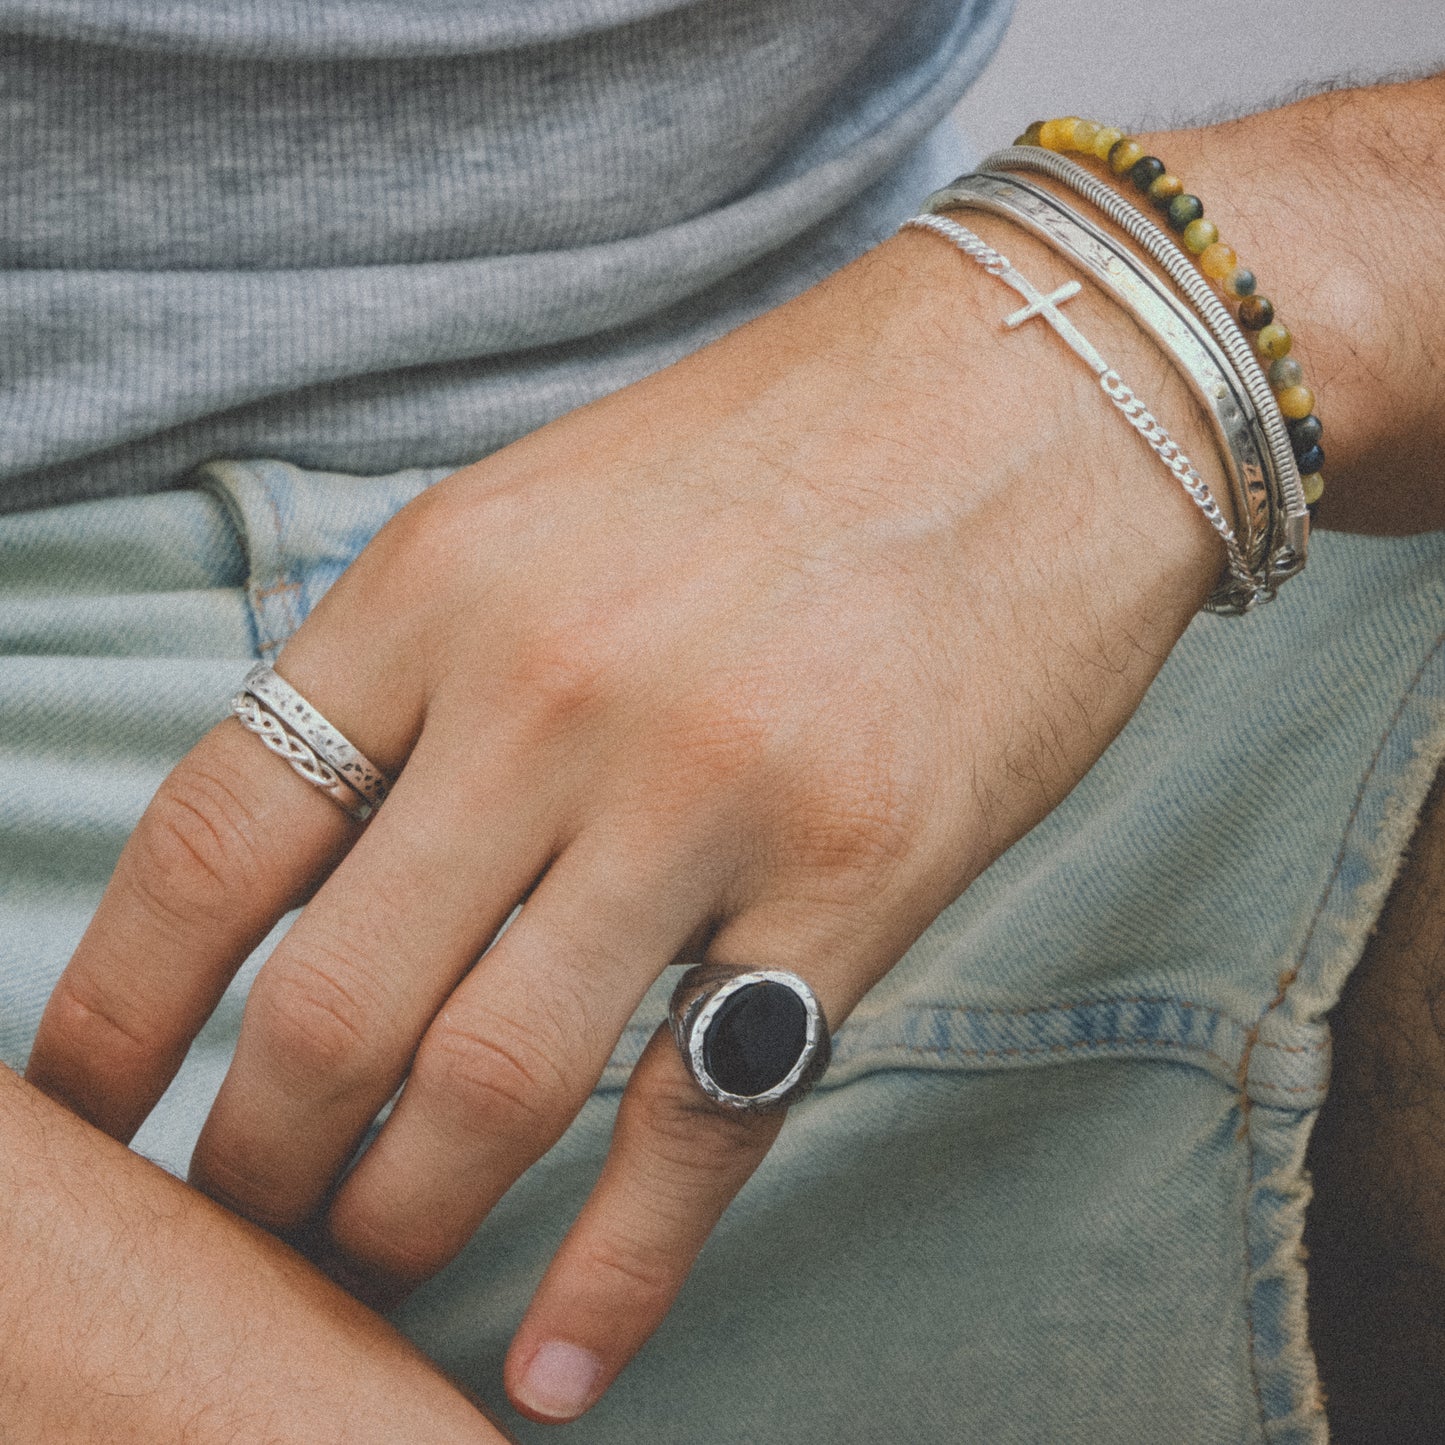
134	1311
763	660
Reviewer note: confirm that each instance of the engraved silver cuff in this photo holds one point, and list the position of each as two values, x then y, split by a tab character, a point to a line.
752	1039
1289	514
1239	588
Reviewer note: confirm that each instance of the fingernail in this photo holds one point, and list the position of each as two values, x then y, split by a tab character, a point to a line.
560	1380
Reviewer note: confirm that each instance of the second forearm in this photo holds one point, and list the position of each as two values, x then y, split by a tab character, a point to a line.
132	1309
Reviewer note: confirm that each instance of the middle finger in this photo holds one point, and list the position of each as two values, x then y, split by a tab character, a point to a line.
512	1057
333	1017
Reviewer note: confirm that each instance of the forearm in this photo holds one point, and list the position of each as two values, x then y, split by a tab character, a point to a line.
132	1309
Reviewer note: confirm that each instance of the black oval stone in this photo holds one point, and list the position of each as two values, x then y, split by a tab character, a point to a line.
755	1038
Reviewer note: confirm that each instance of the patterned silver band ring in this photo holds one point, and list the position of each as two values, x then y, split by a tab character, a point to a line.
287	724
751	1039
292	749
326	741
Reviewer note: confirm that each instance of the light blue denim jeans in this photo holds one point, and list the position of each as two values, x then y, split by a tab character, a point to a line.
1052	1188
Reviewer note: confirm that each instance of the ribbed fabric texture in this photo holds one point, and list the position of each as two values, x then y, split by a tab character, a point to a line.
377	234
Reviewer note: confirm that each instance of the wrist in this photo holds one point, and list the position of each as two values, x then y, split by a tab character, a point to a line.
1327	200
1037	420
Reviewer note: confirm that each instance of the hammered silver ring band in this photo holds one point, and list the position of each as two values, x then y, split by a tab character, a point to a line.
751	1039
296	732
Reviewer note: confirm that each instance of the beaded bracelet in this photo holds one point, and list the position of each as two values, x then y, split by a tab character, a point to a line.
1184	213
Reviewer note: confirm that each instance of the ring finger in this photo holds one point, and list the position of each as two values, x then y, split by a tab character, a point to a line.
511	1058
676	1161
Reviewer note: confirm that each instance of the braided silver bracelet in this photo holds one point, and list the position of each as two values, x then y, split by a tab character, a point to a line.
1239	588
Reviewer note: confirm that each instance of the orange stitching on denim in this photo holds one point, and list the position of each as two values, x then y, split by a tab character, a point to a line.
287	588
1063	1008
290	590
1039	1010
1315	1048
983	1010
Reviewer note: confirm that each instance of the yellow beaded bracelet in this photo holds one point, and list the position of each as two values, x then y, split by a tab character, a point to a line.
1216	259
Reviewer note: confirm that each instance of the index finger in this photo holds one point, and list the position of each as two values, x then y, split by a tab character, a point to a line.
231	842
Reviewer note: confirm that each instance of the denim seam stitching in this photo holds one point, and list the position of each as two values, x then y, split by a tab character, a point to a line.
884	1054
280	584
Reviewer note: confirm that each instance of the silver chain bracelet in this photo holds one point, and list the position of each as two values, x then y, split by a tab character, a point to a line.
1239	589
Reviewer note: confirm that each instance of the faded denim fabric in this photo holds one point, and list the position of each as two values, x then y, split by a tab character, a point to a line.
1051	1189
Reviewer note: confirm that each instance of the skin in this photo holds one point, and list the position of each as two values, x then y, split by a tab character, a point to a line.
134	1310
760	660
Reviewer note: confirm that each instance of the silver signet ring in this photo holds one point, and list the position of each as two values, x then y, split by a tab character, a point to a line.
750	1038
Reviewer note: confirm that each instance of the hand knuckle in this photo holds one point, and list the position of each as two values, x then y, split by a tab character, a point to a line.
317	1016
427	533
408	1257
630	1266
722	743
686	1134
492	1075
859	835
246	1186
864	815
195	853
562	676
104	1033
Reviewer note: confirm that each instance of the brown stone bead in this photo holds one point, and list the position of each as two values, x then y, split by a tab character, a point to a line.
1296	401
1240	282
1183	209
1108	137
1274	341
1255	312
1056	135
1285	373
1200	235
1163	189
1218	260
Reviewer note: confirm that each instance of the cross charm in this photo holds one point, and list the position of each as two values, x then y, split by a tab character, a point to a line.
1041	305
1047	306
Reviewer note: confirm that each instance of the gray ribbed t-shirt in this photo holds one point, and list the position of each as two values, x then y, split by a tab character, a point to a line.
363	235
